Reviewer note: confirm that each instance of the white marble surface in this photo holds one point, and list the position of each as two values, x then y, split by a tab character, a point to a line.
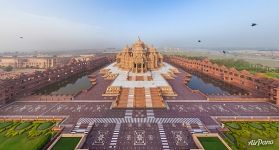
158	79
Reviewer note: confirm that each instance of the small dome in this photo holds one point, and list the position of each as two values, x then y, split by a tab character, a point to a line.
126	49
139	43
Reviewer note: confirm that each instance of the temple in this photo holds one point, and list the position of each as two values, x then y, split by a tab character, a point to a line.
139	77
139	58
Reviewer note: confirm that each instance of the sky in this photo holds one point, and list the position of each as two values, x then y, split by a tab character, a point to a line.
94	24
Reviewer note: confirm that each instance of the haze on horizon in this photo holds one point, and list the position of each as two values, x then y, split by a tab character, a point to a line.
87	24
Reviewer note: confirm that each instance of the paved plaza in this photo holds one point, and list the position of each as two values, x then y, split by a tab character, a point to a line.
168	128
139	136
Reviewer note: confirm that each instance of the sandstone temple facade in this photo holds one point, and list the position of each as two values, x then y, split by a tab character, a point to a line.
139	75
139	58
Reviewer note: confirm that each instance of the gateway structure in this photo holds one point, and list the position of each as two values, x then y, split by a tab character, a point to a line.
139	75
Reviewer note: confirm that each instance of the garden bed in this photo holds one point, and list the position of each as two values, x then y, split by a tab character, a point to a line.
251	135
25	135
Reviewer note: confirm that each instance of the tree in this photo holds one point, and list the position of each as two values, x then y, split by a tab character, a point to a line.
8	68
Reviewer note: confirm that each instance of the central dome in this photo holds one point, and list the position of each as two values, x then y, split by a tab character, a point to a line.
139	44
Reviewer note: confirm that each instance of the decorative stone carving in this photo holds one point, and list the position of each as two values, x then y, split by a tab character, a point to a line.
139	58
112	91
167	91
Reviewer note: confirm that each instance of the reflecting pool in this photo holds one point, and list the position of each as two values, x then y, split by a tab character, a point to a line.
211	86
69	86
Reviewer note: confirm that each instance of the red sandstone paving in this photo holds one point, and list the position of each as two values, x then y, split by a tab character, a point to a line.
221	109
74	110
186	137
86	109
202	110
151	136
139	113
181	89
26	108
92	137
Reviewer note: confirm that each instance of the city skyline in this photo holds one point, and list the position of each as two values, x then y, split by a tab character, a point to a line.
51	25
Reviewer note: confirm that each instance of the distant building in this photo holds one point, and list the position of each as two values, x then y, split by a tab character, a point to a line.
84	57
28	62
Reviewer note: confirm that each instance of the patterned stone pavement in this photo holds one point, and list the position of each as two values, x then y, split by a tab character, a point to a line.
140	128
139	136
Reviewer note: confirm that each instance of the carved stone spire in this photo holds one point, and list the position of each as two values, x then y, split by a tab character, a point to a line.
139	57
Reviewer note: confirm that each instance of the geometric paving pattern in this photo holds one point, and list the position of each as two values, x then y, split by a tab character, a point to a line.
140	120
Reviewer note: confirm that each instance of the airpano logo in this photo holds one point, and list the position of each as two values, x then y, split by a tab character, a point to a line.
260	142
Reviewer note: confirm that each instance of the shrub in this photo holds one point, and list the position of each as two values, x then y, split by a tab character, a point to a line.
275	124
45	125
8	68
245	134
23	125
5	124
256	125
231	137
233	125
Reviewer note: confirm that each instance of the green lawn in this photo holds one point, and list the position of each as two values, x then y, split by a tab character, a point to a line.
25	135
66	143
212	143
22	142
241	133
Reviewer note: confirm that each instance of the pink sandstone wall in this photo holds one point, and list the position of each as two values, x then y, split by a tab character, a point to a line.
255	84
26	84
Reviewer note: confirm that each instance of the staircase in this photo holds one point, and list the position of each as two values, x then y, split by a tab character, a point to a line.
139	98
157	100
122	101
131	96
148	98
